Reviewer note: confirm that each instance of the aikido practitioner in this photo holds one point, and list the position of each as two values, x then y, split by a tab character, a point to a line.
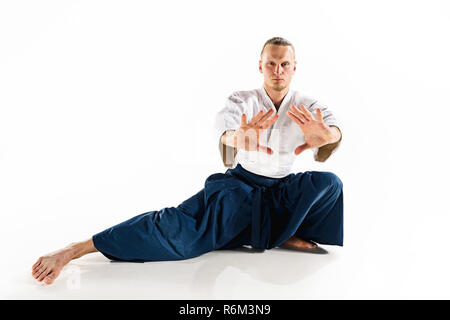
257	202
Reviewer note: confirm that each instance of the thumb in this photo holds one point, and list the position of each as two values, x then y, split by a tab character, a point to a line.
301	148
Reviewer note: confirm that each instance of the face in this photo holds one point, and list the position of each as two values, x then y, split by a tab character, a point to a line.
278	65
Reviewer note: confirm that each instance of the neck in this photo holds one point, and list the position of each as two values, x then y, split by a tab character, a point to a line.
276	96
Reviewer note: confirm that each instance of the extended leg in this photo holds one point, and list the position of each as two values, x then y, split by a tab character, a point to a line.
209	220
48	267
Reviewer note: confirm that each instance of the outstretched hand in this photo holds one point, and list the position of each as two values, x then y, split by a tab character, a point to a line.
317	133
247	136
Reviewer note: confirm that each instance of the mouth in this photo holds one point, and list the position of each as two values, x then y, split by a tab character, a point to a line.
277	79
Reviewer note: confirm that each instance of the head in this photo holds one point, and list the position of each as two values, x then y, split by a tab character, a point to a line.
277	63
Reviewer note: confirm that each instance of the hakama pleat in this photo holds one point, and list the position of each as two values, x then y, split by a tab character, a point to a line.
234	208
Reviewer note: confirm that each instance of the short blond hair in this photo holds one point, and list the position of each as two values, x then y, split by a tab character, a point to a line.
278	41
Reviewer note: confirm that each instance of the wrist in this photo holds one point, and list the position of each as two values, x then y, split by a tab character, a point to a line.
336	135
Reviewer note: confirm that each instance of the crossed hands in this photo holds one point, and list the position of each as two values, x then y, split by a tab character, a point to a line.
316	132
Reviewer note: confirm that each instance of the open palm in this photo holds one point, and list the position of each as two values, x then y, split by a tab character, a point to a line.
247	136
316	132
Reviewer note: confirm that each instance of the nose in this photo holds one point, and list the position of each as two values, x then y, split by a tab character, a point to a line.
278	69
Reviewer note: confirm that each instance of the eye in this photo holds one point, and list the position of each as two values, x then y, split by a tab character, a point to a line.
284	64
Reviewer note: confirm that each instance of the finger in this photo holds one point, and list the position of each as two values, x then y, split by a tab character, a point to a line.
306	112
256	117
302	116
301	148
269	122
243	120
296	120
265	149
319	115
264	117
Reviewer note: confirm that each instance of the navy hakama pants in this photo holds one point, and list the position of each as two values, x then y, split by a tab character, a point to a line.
235	208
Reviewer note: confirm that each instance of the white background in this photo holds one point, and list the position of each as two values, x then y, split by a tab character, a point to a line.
107	109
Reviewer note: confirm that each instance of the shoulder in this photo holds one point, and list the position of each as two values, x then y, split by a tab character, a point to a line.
243	96
302	98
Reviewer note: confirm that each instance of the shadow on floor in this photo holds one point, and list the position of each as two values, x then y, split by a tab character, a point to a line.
276	266
93	277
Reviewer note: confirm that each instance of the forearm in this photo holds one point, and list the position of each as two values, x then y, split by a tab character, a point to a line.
324	152
227	149
228	138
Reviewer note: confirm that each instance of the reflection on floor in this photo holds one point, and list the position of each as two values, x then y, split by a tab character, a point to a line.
223	274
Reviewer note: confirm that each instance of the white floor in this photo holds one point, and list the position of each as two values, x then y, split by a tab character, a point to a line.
395	241
378	269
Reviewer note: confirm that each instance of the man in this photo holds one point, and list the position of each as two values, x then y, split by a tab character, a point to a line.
257	201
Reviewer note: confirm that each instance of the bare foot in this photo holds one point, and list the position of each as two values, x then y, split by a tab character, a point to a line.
48	267
295	242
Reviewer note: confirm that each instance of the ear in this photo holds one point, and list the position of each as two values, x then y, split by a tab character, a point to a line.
295	65
260	66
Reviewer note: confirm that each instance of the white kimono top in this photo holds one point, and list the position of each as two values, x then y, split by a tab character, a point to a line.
282	137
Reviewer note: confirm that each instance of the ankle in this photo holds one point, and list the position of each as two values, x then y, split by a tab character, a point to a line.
71	251
79	249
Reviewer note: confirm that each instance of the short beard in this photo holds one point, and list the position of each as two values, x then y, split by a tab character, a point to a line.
277	88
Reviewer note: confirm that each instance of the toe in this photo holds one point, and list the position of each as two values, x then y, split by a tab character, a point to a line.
37	263
39	273
44	274
312	245
50	278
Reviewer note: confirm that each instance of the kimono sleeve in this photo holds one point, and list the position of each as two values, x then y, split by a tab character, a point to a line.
229	117
328	116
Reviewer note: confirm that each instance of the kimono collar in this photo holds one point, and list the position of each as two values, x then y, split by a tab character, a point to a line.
269	101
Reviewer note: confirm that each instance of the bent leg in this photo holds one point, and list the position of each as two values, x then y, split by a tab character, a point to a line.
295	243
314	204
324	222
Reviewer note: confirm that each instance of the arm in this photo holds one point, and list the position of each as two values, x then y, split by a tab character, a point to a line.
227	149
317	134
246	137
324	152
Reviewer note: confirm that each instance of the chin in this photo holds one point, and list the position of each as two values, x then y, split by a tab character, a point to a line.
278	88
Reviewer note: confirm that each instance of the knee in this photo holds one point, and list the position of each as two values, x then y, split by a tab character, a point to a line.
326	179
